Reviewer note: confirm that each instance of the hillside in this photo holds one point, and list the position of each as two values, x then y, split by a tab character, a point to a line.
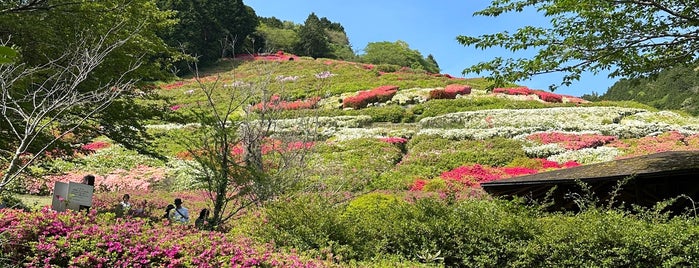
392	161
673	89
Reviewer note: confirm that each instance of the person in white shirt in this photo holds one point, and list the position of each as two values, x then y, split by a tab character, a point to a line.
125	204
179	214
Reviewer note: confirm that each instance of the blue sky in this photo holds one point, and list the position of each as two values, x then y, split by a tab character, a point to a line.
430	27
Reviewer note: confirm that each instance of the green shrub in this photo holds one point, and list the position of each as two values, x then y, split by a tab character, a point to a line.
387	68
351	165
368	220
390	113
307	222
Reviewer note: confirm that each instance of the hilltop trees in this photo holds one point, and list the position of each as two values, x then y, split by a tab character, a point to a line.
398	53
317	37
312	38
206	29
631	38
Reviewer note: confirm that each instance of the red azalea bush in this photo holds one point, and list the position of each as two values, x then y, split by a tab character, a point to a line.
572	141
275	104
361	100
279	56
450	92
472	176
514	91
94	146
268	146
173	85
548	96
70	239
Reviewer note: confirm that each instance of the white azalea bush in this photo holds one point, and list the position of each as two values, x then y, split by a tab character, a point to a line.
479	134
345	134
558	118
411	96
587	155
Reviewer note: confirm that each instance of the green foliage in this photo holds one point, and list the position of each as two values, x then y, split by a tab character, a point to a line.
672	89
365	159
114	157
307	222
591	37
208	29
367	220
439	107
37	38
7	54
429	156
313	41
277	38
398	53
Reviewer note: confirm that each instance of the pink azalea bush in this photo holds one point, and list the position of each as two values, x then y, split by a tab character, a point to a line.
571	141
668	141
394	140
70	239
140	178
543	95
361	100
275	104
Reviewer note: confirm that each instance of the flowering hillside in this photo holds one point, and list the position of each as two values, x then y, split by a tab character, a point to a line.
403	148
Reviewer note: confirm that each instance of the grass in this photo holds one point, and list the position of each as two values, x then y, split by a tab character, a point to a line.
34	201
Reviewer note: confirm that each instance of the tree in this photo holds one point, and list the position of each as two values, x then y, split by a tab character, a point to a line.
432	62
207	28
69	61
631	38
313	41
240	160
38	100
397	53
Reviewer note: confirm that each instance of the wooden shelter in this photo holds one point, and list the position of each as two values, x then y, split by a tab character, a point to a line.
645	180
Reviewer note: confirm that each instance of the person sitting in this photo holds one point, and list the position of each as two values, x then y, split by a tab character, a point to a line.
125	204
180	213
140	210
168	210
201	222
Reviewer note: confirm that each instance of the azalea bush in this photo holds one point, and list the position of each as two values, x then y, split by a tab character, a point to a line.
429	156
361	100
571	141
668	141
275	103
450	92
365	159
471	176
69	239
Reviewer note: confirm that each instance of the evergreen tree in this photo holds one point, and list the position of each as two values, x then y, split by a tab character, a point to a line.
207	28
313	41
432	63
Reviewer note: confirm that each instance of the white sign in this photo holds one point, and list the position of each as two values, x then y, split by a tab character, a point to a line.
60	196
79	195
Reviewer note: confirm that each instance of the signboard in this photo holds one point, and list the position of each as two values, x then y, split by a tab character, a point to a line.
60	196
79	195
71	196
